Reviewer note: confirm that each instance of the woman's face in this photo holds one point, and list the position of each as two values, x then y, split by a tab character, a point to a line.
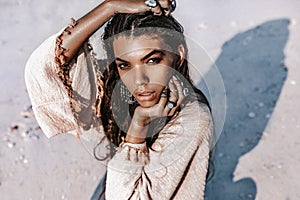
144	64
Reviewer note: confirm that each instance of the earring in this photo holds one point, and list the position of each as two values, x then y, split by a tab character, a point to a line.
126	96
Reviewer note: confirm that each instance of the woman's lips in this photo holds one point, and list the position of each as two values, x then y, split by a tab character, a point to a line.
145	95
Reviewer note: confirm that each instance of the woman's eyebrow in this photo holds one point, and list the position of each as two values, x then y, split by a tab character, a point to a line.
156	51
121	60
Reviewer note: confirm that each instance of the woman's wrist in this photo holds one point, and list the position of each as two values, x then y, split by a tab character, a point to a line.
136	132
110	6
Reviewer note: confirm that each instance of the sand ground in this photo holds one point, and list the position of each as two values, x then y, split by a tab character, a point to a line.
255	44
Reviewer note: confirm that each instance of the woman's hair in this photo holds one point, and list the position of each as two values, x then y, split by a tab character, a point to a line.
163	27
166	28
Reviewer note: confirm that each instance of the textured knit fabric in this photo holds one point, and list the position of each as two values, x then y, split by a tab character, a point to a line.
178	159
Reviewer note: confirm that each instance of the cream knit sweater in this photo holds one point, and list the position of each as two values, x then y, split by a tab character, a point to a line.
178	159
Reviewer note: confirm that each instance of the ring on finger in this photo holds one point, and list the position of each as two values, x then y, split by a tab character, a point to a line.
171	104
172	6
185	92
173	90
151	3
163	95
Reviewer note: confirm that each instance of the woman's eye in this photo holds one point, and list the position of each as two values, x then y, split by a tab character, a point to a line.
154	60
123	66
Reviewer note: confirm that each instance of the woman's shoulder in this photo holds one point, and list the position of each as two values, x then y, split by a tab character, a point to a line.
196	110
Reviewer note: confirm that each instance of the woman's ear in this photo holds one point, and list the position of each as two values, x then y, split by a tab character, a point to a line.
182	54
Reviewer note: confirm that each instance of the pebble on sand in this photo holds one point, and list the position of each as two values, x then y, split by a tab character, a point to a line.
11	144
251	114
293	82
14	127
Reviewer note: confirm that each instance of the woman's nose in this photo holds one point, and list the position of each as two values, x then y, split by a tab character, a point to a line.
140	76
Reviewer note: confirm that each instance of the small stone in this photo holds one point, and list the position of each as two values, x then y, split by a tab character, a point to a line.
250	196
251	114
25	161
268	116
11	144
21	157
261	104
242	195
14	127
221	155
242	144
293	82
24	134
265	133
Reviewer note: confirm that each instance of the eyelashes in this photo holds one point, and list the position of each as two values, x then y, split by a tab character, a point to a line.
151	61
154	60
123	66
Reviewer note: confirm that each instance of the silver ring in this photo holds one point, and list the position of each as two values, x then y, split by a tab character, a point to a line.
185	92
174	90
163	95
172	6
151	3
171	104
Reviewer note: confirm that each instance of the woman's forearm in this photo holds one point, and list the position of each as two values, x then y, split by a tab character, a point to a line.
84	28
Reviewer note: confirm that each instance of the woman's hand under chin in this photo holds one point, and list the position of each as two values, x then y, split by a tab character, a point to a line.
167	106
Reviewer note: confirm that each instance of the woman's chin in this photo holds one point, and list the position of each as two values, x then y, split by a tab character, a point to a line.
147	104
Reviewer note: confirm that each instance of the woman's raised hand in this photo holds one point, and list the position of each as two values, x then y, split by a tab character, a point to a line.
158	7
92	21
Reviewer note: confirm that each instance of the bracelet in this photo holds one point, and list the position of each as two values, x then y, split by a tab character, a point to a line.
140	151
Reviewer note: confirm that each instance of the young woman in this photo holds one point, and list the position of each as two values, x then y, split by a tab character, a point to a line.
139	103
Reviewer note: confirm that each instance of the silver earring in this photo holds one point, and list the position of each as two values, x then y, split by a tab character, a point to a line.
126	96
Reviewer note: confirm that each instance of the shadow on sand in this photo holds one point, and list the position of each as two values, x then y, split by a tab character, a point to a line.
253	70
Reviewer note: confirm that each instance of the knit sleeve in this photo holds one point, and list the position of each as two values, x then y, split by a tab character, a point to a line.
50	98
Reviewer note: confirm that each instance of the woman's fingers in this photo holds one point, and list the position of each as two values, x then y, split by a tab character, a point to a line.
167	6
179	86
158	109
158	7
154	6
172	100
179	92
168	103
